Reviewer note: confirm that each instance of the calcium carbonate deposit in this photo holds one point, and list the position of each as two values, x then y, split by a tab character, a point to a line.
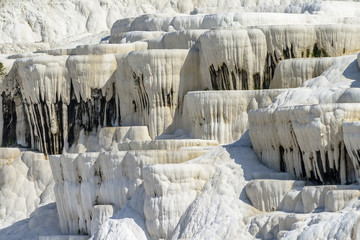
182	119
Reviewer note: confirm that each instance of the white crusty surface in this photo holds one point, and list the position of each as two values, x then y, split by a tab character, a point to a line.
222	115
303	130
292	73
26	184
127	83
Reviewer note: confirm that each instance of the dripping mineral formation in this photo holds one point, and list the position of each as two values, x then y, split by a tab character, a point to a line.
179	120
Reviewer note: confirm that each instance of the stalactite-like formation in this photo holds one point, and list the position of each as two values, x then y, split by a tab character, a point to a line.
68	94
108	178
308	140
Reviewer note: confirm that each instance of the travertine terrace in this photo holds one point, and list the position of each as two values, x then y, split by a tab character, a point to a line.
179	120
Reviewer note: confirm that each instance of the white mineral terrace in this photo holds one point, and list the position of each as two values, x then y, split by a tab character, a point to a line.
178	119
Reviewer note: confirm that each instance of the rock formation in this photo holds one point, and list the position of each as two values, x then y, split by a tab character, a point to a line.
179	120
